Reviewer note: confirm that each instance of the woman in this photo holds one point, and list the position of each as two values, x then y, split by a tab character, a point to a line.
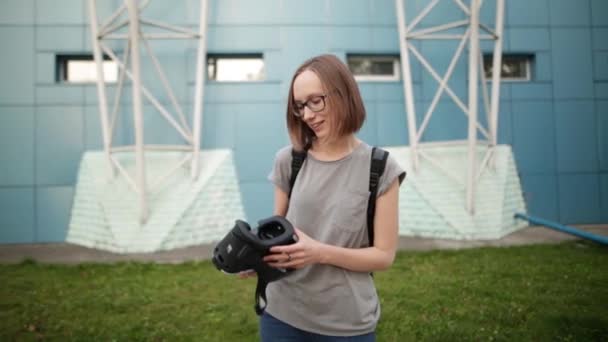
331	295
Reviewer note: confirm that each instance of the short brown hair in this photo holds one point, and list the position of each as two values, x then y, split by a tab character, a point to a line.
345	100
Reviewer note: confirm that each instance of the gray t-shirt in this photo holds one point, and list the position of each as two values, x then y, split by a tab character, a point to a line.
329	203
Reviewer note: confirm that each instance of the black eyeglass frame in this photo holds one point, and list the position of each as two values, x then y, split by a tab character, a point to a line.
299	108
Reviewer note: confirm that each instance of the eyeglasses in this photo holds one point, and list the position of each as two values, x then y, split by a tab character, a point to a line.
315	103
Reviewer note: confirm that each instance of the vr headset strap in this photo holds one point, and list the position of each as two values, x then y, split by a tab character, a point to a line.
260	292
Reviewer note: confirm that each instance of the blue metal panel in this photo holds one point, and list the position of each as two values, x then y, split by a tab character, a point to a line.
69	12
60	38
92	129
19	12
392	91
59	144
604	196
572	63
266	12
260	132
600	38
274	65
175	72
243	38
157	129
59	94
350	12
219	126
505	123
241	92
368	91
443	12
301	43
53	206
531	91
259	199
527	13
576	136
351	38
45	68
601	90
90	94
382	12
529	39
602	130
17	65
569	12
385	39
579	198
532	153
16	146
439	55
305	12
540	194
447	123
599	8
174	12
17	215
368	132
600	65
392	124
487	13
542	70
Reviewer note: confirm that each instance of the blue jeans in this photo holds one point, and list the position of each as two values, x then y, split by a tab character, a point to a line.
274	330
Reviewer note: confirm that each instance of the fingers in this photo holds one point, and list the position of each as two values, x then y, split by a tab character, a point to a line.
247	274
295	260
293	248
278	257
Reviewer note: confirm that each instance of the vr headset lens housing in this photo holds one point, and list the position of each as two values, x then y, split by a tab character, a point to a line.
243	248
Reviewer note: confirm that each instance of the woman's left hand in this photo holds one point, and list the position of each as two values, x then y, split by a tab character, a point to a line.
306	251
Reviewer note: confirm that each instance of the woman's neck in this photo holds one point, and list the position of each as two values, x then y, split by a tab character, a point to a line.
336	149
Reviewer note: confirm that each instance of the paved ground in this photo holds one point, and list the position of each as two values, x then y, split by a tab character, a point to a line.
64	253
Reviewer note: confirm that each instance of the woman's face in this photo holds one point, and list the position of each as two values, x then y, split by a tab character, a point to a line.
308	92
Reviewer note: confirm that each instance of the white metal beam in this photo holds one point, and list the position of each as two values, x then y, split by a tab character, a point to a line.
408	86
130	67
138	120
199	92
473	100
475	32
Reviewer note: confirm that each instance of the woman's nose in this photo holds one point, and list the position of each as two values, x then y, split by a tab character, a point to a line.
308	114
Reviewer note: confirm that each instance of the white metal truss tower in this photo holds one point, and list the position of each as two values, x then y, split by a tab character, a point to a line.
408	33
130	66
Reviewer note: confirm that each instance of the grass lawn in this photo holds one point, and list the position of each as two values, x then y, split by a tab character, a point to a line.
531	293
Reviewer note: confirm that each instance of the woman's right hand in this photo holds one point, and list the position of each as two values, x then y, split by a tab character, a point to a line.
247	274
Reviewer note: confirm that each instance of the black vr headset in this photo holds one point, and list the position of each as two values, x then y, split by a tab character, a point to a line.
243	249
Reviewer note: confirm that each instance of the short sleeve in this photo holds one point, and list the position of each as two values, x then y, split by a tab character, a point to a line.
392	171
281	169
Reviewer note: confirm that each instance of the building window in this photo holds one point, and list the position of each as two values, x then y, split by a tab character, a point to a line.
235	67
374	67
82	69
515	67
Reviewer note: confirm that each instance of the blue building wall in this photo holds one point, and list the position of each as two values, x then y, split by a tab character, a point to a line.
557	123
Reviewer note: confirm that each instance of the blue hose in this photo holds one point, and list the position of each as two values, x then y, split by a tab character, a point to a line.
562	228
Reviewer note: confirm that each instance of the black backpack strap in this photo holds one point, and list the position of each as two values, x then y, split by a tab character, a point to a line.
378	163
297	159
260	292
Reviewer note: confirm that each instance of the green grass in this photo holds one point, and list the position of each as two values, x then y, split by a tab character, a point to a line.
532	293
